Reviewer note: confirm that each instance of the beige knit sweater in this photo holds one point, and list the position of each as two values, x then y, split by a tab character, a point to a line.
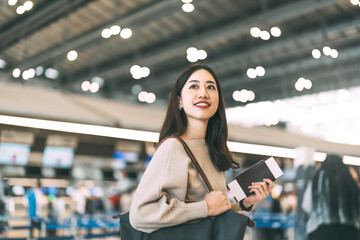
171	190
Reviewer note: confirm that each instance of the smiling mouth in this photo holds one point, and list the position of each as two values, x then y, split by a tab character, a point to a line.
202	105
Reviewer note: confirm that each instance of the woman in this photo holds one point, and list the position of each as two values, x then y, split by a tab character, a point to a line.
332	202
171	190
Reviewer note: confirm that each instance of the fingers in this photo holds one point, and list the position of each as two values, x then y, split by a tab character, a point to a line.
269	182
217	203
259	191
261	187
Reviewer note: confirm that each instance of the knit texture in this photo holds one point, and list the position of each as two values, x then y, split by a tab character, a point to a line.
171	190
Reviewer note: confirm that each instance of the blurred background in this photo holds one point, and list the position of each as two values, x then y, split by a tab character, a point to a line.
84	86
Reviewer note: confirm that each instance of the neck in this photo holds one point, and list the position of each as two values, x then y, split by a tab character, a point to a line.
196	129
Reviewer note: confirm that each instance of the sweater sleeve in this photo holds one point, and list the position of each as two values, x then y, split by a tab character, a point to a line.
159	200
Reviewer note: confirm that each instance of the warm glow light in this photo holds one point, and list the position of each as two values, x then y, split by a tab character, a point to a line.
126	33
115	30
16	73
251	73
251	95
145	71
192	57
275	31
265	35
12	2
188	7
354	2
191	51
202	54
260	71
255	32
106	33
307	84
72	55
142	96
20	10
31	72
94	87
28	5
236	95
334	53
327	51
85	86
316	53
150	97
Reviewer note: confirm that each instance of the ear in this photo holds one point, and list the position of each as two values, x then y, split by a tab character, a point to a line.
180	105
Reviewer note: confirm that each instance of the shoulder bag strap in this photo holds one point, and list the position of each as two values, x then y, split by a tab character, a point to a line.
250	222
193	159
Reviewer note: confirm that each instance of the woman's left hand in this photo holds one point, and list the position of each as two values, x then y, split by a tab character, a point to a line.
260	191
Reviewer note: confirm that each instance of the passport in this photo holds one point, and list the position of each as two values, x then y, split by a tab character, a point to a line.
256	173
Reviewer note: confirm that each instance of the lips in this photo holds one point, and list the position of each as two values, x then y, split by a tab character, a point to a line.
202	104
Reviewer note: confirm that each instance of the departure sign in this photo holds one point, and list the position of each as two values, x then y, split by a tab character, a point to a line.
59	157
14	153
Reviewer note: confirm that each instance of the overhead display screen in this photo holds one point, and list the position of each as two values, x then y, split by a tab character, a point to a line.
14	153
59	157
126	156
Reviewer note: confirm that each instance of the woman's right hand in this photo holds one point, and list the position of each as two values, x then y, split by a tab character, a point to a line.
217	203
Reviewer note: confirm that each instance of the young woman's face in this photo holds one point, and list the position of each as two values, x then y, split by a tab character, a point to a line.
199	96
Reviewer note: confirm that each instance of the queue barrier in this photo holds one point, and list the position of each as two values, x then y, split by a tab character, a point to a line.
274	220
73	224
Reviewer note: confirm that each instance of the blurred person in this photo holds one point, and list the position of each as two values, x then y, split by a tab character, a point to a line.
266	208
171	191
79	196
35	201
332	202
3	213
304	174
93	205
55	207
289	202
355	174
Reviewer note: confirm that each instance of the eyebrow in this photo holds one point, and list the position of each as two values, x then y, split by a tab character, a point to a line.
199	81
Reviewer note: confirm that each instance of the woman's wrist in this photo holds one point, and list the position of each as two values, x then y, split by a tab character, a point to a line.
245	205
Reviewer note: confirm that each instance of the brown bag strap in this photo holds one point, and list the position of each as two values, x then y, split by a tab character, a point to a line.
193	159
250	223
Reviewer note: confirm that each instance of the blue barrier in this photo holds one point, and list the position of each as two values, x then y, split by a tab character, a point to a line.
112	227
274	220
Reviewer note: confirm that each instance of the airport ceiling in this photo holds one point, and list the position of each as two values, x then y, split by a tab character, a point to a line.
161	34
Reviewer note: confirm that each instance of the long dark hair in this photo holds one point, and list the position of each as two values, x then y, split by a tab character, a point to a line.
175	122
334	182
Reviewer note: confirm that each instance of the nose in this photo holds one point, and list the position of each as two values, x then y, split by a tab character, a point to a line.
203	93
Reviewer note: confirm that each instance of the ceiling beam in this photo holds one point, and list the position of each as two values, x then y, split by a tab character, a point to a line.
340	76
135	18
299	43
233	29
28	24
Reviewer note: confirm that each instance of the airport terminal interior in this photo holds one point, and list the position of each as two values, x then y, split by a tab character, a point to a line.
84	88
